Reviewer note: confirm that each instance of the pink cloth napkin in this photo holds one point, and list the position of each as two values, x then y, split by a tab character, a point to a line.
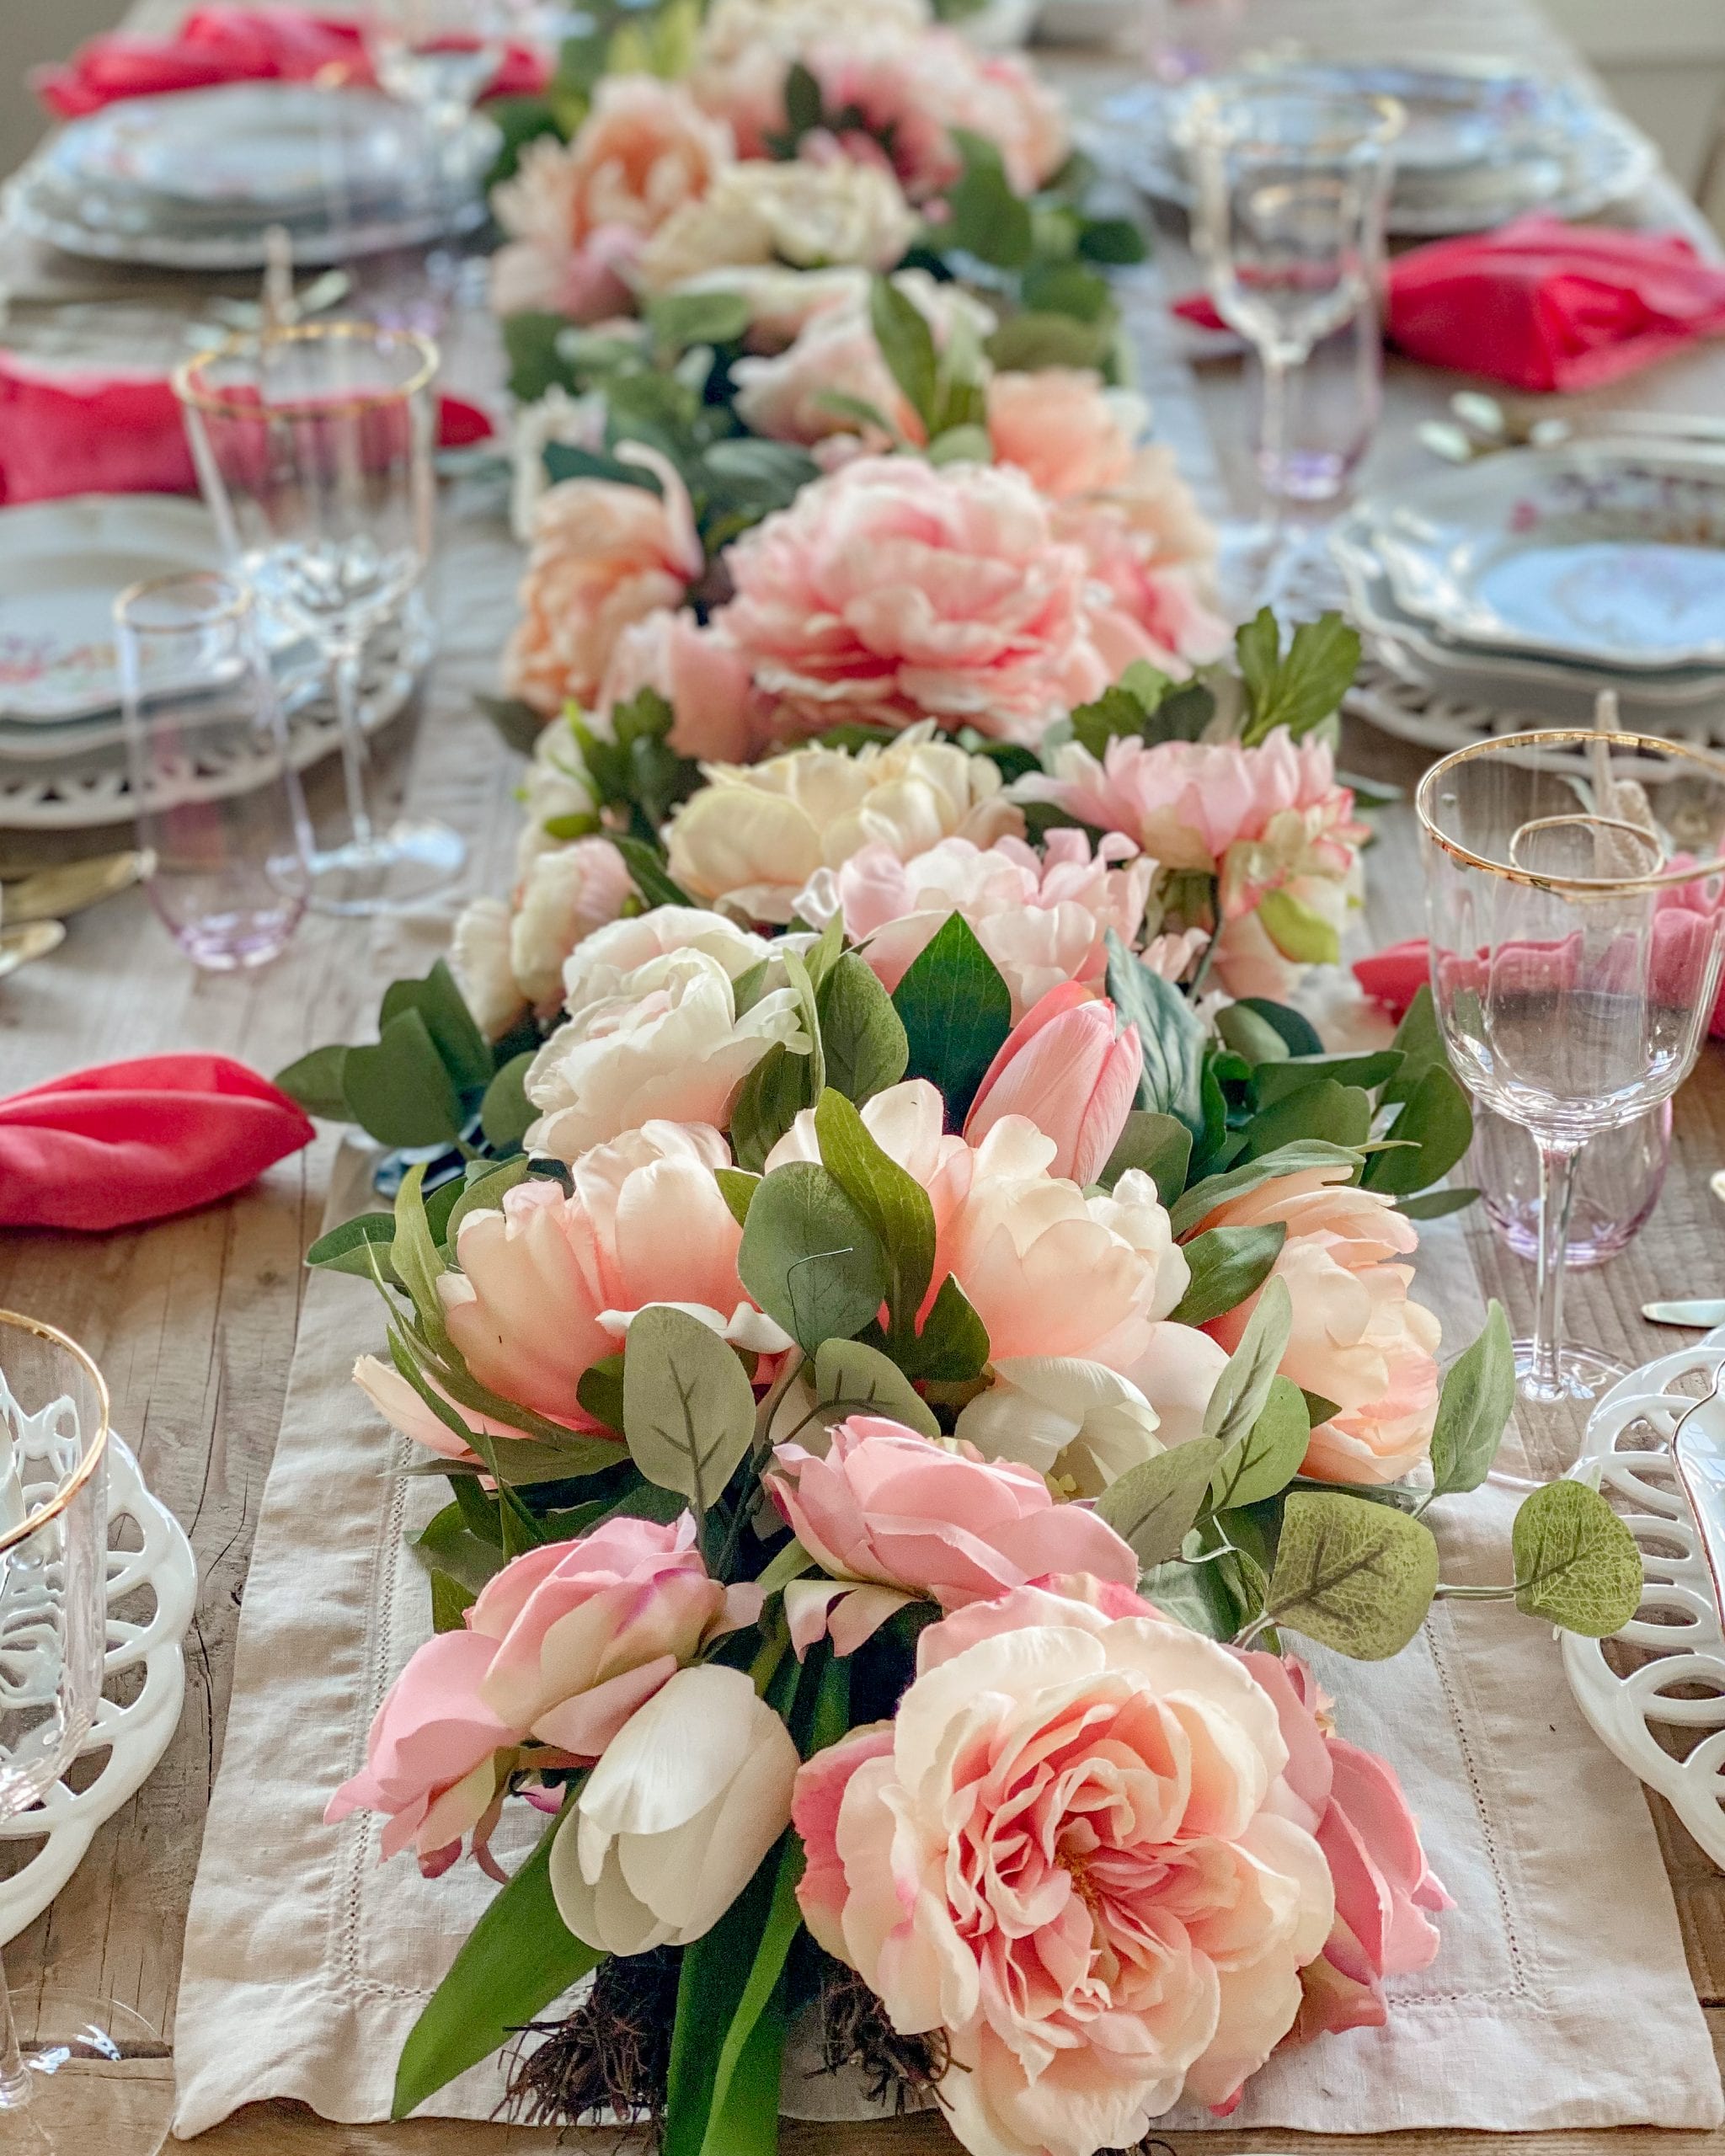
63	432
1541	305
134	1141
1394	976
238	44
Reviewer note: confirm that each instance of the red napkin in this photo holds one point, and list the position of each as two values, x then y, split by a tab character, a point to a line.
1541	305
1394	976
134	1141
68	433
238	44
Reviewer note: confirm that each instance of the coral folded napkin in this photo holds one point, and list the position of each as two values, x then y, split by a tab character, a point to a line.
134	1141
1541	305
237	45
1394	976
65	432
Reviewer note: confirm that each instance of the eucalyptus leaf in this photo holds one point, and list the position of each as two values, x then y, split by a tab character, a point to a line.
1297	1158
688	1408
1026	343
1353	1576
1250	1035
1152	1505
457	1039
314	1081
1170	1033
951	1347
1265	1462
506	1114
984	216
1158	1144
1337	1114
360	1246
1295	1028
1434	1204
1275	1080
1577	1564
1196	1596
1434	1129
738	1186
484	1192
1244	1386
400	1090
892	1201
863	1037
808	1257
767	1102
852	1378
907	345
1474	1408
1227	1265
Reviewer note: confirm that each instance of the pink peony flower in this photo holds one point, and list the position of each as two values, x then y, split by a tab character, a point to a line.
699	675
548	1284
1064	428
1151	609
1070	1851
582	1633
1359	1338
1385	1891
1041	918
1064	1068
892	590
567	893
792	396
605	554
899	1515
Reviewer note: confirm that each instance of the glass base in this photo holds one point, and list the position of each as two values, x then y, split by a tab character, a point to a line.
101	2078
397	868
1586	1376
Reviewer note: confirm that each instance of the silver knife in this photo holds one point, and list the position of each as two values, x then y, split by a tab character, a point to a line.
1707	1311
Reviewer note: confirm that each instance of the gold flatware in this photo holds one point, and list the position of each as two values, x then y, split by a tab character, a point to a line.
52	893
35	940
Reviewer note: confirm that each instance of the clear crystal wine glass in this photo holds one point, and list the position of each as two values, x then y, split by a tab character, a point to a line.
313	446
77	2074
1575	886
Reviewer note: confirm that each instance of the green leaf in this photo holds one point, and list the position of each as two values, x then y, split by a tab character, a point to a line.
716	1971
1274	1080
1270	1455
1297	1031
892	1201
1170	1032
984	216
784	1919
1318	1409
1297	932
1419	1043
450	1601
315	1082
1355	1576
1028	342
644	865
1577	1564
1152	1505
1300	690
803	100
951	1347
852	1378
738	1187
414	1252
535	363
808	1257
1068	288
447	1544
963	444
907	345
956	1010
1250	1035
680	319
518	1957
400	1090
1244	1386
767	1102
1161	1145
1115	241
506	1114
359	1245
1475	1406
600	1390
1298	1159
688	1408
862	1034
1196	1596
1434	1129
1434	1204
1228	1264
484	1191
1340	1115
458	1041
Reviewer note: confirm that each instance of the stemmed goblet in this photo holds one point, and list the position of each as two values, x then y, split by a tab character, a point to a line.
1574	884
313	446
69	2078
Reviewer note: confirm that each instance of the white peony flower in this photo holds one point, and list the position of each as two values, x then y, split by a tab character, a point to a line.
604	964
838	213
671	1825
567	893
480	959
1080	1423
783	302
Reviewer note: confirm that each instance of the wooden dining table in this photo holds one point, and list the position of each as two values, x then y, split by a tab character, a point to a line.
194	1319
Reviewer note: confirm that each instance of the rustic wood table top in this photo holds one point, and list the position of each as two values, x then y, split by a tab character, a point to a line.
194	1319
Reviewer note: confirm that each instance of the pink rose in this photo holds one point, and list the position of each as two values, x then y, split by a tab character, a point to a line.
699	675
892	590
1062	426
1358	1338
605	554
1042	917
900	1515
1385	1892
1070	1851
1063	1068
547	1284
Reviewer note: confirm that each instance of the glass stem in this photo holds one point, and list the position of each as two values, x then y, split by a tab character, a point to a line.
346	662
1544	1380
14	2074
1272	464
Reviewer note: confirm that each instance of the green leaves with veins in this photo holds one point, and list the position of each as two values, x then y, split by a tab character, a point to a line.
1352	1575
892	1201
688	1408
1267	1458
810	1257
866	1045
1476	1405
1227	1264
1169	1032
1152	1505
1292	1160
850	1378
1577	1564
1243	1389
1300	688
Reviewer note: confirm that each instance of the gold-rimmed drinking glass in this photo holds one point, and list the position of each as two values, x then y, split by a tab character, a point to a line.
1575	895
69	2078
314	445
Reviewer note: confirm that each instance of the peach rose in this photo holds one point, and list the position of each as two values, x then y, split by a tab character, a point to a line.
605	554
1358	1338
1064	428
756	833
547	1284
892	590
1064	1068
1141	1943
890	1515
699	674
1041	918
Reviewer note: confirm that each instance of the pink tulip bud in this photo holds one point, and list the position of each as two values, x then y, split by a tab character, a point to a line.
1063	1067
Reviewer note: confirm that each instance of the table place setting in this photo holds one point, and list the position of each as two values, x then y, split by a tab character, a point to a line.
889	1284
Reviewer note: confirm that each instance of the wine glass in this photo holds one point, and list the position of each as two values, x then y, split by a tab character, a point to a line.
58	2096
1288	220
439	55
1574	884
220	819
313	445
